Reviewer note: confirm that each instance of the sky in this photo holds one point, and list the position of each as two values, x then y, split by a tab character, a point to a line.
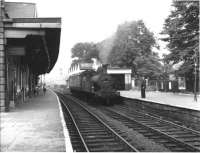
96	20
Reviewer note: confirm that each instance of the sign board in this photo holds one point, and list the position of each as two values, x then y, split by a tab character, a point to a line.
86	66
17	51
119	71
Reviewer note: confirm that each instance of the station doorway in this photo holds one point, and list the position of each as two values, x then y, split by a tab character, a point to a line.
119	81
121	78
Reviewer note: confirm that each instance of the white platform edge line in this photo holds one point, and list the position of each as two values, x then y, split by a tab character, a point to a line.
65	130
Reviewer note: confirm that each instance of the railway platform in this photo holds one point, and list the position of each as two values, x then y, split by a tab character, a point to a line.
36	125
176	106
167	98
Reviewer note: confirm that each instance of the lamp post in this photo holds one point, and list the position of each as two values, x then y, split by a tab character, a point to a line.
195	74
195	81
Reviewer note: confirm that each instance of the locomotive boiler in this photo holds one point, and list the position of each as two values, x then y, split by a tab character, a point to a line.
95	86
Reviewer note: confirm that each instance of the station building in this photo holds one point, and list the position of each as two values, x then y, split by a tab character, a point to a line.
122	77
29	47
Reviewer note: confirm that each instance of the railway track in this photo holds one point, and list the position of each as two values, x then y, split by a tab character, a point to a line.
175	137
88	132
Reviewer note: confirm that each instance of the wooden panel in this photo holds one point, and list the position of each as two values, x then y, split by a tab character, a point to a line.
20	51
2	74
37	20
36	25
2	105
2	66
2	95
22	33
2	80
2	60
1	24
1	41
1	53
2	88
1	35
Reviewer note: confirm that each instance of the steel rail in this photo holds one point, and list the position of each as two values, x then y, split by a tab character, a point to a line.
158	131
169	122
195	134
102	122
74	122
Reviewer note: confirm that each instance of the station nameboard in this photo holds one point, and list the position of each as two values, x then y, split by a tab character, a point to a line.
86	66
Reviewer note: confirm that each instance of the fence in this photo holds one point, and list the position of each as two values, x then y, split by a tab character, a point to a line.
159	85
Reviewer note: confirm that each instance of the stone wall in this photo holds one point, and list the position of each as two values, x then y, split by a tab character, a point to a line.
2	60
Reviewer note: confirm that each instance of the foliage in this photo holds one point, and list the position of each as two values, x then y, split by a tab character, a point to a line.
133	48
182	30
148	66
84	52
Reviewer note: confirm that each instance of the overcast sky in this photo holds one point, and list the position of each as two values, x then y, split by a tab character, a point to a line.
96	20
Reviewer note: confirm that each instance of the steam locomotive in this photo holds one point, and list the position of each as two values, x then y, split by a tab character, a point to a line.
95	86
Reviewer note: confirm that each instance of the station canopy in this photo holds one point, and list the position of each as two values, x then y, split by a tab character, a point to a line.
36	40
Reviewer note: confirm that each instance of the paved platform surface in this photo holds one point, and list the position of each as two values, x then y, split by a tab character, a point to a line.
168	98
34	126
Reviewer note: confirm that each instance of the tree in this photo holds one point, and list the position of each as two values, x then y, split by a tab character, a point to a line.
149	66
84	52
133	48
182	30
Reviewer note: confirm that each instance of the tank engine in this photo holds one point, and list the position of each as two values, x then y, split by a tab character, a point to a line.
95	86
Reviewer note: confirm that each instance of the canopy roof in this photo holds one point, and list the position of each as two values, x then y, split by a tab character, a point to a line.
38	37
36	40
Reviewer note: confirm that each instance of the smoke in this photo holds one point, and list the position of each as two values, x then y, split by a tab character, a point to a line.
105	47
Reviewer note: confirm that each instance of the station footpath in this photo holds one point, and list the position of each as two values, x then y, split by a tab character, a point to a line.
167	98
36	125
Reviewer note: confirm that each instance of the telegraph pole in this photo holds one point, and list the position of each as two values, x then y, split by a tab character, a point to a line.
199	71
195	81
195	74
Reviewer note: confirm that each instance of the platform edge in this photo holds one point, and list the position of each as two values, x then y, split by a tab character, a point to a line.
65	131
